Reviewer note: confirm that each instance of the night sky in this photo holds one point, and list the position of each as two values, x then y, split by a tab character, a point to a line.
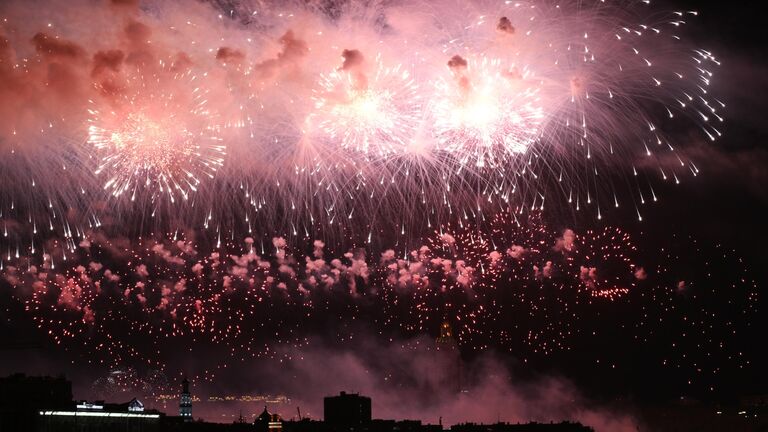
557	314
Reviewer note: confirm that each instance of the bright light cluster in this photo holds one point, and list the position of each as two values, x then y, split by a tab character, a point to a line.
486	111
367	118
160	137
377	116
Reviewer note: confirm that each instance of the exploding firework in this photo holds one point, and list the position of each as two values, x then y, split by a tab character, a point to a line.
610	251
486	113
521	286
450	115
376	112
158	135
403	134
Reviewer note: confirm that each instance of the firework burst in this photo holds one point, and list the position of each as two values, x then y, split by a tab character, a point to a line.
157	136
376	113
486	113
452	114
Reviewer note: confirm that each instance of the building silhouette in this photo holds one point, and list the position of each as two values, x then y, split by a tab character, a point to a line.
185	401
268	422
347	409
22	397
45	404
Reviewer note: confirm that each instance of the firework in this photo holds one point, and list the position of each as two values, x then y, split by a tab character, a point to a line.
318	123
159	136
520	286
375	112
226	178
486	113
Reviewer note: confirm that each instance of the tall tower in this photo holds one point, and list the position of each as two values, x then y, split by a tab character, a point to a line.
450	358
185	401
446	341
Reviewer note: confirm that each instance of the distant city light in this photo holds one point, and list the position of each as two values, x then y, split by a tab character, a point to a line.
97	414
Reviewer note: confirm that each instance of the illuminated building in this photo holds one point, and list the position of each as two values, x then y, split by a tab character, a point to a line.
267	422
347	409
446	341
450	358
185	401
98	416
